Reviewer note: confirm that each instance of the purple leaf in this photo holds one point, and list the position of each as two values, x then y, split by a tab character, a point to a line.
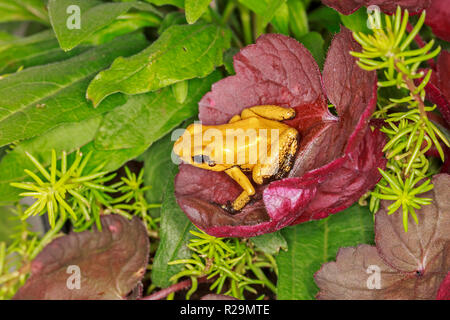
337	158
438	18
388	6
403	265
111	263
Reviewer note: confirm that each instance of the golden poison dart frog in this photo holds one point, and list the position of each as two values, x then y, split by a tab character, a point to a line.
256	141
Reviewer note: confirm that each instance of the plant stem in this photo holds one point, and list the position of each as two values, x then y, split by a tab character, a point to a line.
217	18
174	288
48	237
246	25
412	88
228	11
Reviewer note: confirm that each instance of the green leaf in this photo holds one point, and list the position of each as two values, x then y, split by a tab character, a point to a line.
171	19
147	117
264	8
313	243
356	21
41	48
313	41
67	137
175	235
38	99
111	159
23	10
124	24
157	167
177	3
93	16
6	37
298	19
181	53
195	9
228	59
326	18
280	20
270	243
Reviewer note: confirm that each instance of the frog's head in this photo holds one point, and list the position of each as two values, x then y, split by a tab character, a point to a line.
184	146
193	150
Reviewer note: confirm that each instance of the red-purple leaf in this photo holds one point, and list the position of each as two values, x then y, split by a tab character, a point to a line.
438	18
388	6
337	158
438	89
111	263
403	265
444	289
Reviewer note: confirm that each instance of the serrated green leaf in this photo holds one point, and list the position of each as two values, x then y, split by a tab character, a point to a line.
195	9
313	243
39	98
147	117
124	24
93	16
38	49
23	10
270	243
175	235
181	53
67	137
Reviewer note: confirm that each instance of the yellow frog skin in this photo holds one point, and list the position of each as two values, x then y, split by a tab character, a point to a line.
265	146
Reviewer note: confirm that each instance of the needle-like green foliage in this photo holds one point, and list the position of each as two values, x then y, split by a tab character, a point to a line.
229	261
15	258
409	131
67	189
133	200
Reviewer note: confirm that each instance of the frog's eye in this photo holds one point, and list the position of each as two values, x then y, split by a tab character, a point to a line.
203	159
198	158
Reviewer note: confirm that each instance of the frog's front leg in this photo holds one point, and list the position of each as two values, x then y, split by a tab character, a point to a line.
237	175
269	112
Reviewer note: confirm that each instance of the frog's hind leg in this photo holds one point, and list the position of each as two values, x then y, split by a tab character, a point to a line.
269	112
237	175
279	163
289	151
235	119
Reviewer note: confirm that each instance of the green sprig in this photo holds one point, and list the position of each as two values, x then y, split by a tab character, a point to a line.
409	131
132	201
66	190
233	263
